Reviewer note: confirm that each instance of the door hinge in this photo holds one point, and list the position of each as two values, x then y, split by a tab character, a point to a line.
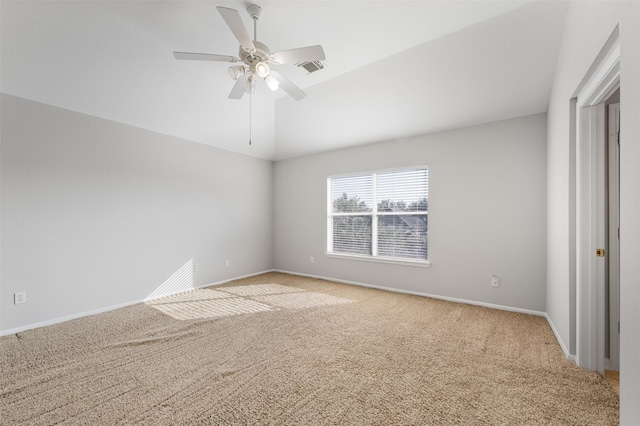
618	327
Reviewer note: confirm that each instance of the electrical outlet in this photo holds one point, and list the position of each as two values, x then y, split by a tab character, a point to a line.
495	281
196	267
312	259
19	298
226	263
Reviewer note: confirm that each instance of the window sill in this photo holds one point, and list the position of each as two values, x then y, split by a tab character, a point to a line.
391	260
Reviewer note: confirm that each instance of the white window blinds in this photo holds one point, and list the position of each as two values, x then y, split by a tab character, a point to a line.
352	194
352	204
379	214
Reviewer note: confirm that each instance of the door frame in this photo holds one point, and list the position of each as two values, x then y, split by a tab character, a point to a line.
602	79
613	140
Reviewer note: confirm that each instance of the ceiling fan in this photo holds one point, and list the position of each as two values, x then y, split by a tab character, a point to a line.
256	58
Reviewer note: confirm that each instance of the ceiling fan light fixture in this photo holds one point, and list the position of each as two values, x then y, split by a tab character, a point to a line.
272	83
262	69
236	72
255	57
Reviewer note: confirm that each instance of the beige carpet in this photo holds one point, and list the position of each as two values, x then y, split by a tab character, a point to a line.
280	349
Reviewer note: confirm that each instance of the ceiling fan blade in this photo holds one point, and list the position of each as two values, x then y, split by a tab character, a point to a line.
204	57
301	54
291	89
233	20
238	89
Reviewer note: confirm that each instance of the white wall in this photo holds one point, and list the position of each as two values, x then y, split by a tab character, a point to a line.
587	28
486	213
97	213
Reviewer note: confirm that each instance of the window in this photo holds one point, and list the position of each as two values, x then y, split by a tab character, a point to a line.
379	216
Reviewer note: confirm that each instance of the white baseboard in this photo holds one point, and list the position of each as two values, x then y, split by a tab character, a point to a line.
109	308
417	293
236	278
66	318
568	355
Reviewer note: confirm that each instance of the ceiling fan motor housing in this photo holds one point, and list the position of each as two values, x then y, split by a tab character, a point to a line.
261	54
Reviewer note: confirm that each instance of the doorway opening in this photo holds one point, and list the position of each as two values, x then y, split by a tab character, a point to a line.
595	288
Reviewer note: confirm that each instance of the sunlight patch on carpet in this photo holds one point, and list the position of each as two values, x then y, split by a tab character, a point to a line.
258	289
190	296
211	308
250	299
301	300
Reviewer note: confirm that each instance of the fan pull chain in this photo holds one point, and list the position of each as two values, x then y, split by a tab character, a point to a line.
250	99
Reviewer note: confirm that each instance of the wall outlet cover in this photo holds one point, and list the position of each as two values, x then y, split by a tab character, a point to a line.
495	281
19	298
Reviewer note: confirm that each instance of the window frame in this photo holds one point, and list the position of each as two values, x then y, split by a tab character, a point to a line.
374	214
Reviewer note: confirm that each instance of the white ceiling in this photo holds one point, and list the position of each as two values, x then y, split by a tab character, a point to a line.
394	68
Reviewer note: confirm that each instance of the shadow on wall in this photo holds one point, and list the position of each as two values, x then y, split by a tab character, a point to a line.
228	301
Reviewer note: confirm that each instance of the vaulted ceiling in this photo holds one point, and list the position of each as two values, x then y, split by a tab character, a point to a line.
394	68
